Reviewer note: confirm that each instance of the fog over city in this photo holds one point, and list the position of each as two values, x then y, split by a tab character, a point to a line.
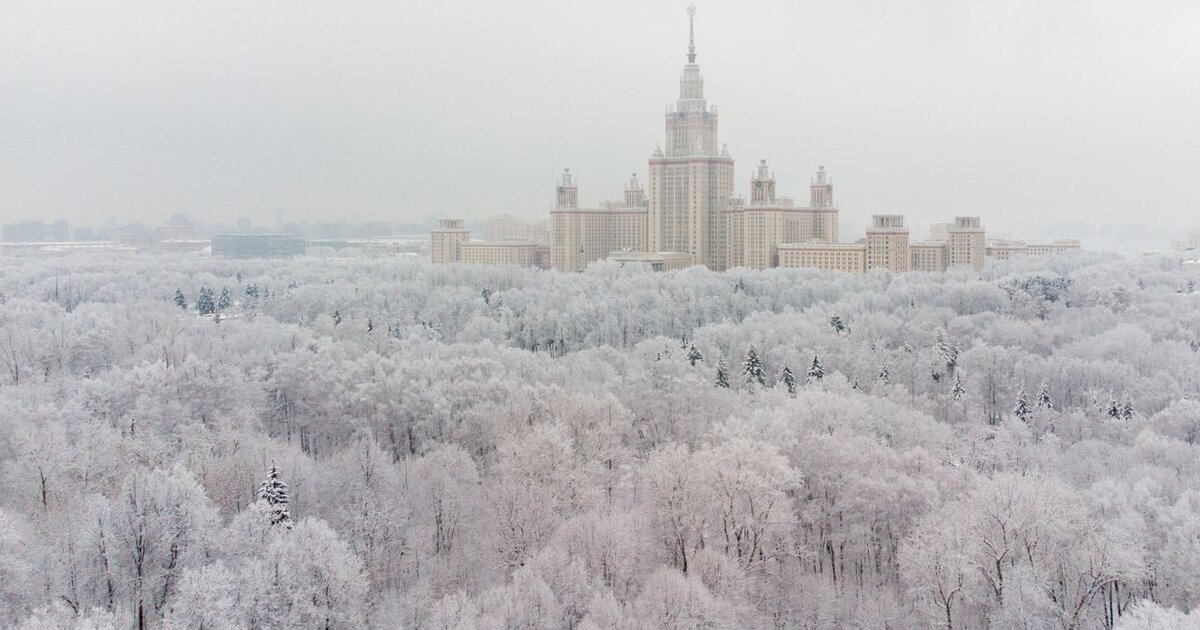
1032	114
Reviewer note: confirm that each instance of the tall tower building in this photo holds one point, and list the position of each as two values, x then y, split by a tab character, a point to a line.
690	182
968	243
821	190
566	194
887	243
635	195
446	240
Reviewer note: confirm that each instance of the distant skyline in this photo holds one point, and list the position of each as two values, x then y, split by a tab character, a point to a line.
1024	113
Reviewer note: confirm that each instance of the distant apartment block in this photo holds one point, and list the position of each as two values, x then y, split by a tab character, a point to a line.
445	240
968	243
1007	250
257	245
36	232
887	243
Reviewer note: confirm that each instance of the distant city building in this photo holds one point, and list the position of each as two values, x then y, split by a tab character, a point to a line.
509	228
1007	250
36	232
887	243
257	245
754	231
658	261
446	238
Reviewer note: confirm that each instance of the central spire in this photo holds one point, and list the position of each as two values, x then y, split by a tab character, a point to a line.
692	34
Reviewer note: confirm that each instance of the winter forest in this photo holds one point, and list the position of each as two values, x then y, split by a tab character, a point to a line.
351	442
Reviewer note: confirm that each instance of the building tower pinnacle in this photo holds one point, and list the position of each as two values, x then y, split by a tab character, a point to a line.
692	34
566	193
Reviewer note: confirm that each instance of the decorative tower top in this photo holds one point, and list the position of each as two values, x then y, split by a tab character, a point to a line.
635	195
566	193
821	190
692	34
762	186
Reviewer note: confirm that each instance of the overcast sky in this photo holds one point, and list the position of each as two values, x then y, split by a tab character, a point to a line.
1021	111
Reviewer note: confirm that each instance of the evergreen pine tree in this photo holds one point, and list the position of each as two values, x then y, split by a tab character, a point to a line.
856	387
1114	408
693	355
722	374
1022	409
885	375
839	326
226	299
180	300
958	392
1044	399
370	324
251	291
947	352
1127	410
337	317
275	492
815	371
788	379
752	368
204	302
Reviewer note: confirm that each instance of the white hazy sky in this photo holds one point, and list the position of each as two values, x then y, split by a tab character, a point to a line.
1021	111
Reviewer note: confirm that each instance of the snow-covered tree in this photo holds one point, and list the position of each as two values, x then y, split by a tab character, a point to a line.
788	379
204	302
693	355
275	493
180	299
957	392
1113	409
1044	399
885	374
1127	410
815	371
1022	409
838	325
722	379
225	300
752	367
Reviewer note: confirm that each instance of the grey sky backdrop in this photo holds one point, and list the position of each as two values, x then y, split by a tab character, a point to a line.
1023	111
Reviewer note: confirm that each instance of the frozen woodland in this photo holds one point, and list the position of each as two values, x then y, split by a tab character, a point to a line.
349	443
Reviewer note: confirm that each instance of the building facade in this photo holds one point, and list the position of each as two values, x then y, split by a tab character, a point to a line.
968	243
691	181
489	253
258	245
887	243
580	236
658	261
445	240
754	231
841	257
932	256
510	228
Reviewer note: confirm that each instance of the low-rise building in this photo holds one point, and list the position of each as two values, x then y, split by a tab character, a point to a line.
658	261
489	253
258	245
843	257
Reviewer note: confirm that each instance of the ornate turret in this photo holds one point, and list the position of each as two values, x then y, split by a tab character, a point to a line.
566	194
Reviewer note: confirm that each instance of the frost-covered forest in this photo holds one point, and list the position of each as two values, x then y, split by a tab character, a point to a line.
343	443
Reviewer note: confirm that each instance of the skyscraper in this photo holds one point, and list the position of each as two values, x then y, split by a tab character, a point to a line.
691	181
